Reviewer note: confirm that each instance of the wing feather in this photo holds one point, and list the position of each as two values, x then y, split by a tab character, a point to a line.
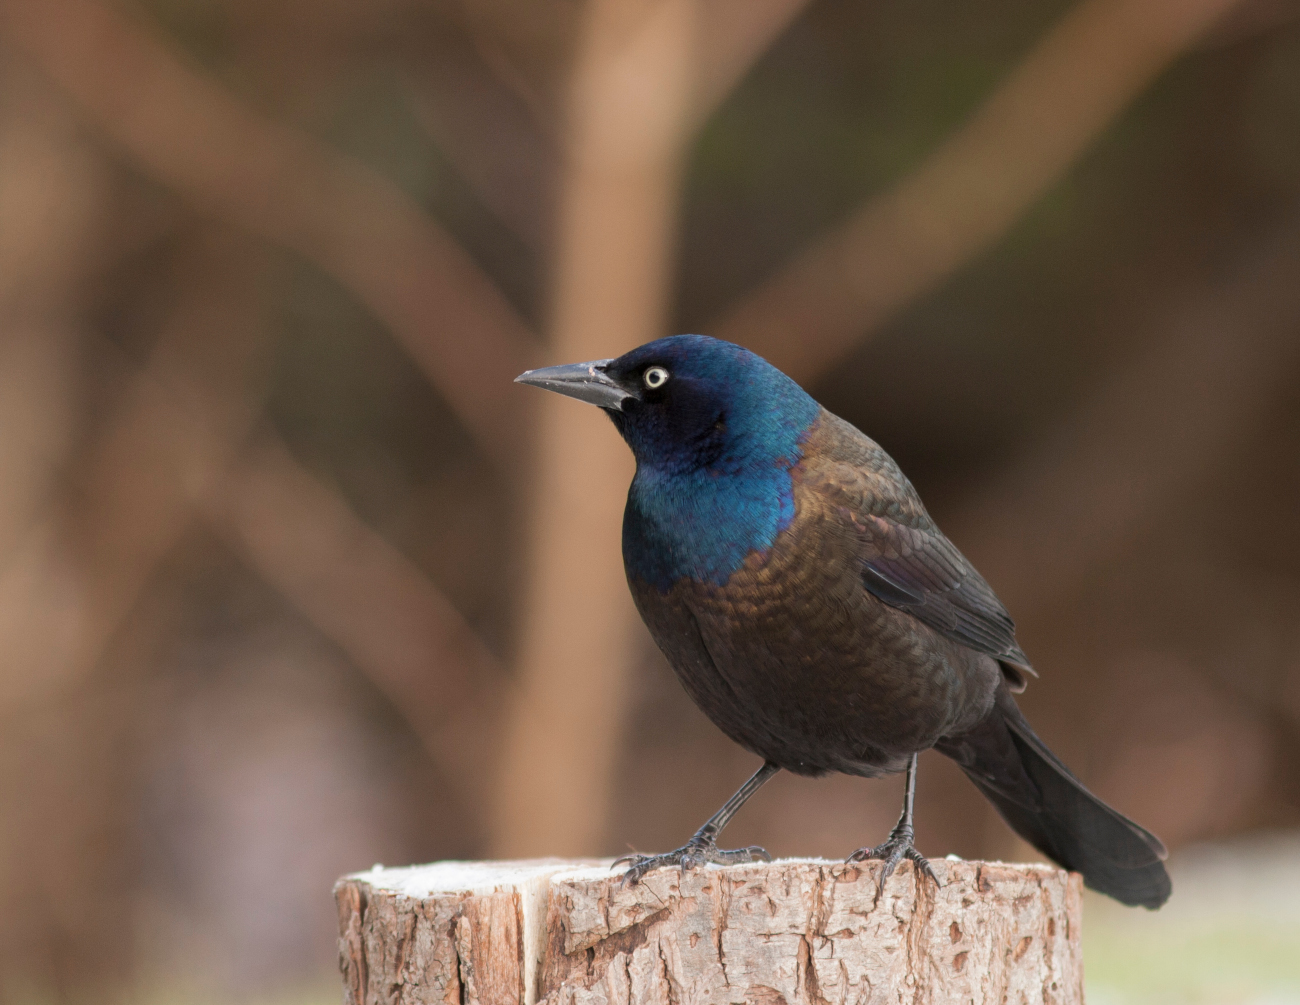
920	571
907	562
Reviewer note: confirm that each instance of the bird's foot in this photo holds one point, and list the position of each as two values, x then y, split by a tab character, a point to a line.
698	851
898	847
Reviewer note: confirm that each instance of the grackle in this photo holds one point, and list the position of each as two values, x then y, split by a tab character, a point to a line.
816	614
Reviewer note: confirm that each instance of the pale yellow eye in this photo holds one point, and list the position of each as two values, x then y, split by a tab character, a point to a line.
655	377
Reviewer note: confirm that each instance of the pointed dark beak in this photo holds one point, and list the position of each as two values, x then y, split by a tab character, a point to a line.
585	381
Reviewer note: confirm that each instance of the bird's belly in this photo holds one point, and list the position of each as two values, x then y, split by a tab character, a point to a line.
798	663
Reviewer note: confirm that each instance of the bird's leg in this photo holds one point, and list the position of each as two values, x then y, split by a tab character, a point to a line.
899	845
703	847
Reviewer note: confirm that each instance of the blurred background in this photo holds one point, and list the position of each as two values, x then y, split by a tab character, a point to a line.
294	580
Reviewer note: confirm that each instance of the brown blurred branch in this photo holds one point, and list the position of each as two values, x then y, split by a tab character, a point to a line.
362	593
632	106
187	412
67	590
77	575
973	188
50	188
355	224
1250	18
509	155
1206	379
491	137
733	35
627	122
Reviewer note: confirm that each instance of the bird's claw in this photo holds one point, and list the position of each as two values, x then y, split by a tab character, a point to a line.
696	852
898	847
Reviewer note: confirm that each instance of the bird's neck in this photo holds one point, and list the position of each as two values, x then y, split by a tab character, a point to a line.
703	524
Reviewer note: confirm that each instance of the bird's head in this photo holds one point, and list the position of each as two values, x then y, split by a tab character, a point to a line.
691	402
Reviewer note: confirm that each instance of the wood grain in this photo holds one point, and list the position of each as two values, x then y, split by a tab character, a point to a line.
796	931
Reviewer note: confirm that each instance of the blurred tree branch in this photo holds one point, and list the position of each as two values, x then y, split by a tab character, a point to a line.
1250	18
77	574
368	598
972	189
733	35
624	148
67	594
355	224
1208	376
491	137
626	127
53	851
1142	452
51	187
185	131
174	445
509	150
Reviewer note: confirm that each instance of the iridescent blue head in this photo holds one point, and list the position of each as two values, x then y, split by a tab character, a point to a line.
715	430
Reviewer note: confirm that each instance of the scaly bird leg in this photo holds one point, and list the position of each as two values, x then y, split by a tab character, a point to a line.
703	847
899	845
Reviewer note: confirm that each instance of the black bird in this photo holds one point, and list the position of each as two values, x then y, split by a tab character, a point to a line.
814	612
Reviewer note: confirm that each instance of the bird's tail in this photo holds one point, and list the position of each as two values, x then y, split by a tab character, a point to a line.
1048	807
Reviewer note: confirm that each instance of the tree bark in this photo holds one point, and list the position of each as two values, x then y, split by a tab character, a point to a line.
798	931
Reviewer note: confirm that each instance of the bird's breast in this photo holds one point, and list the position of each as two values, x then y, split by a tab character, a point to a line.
795	660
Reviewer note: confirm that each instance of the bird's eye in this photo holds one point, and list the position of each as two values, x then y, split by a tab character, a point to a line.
655	377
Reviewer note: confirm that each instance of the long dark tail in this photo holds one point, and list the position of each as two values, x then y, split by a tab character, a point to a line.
1048	807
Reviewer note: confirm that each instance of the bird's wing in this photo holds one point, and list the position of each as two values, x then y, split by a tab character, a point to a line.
906	560
920	571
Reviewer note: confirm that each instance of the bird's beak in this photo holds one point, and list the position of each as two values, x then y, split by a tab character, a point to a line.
585	381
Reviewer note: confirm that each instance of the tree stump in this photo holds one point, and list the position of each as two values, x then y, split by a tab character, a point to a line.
795	931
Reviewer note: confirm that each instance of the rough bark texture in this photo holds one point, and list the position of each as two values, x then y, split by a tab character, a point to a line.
800	931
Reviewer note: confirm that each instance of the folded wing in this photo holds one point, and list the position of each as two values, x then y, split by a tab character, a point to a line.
922	572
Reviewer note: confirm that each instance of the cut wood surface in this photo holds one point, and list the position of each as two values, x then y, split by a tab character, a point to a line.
794	931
